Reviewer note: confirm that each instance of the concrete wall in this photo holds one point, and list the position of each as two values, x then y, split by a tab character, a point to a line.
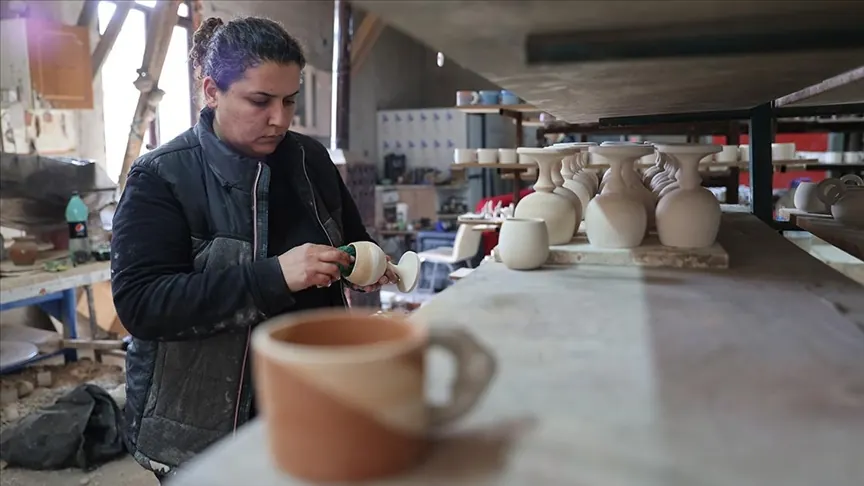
399	73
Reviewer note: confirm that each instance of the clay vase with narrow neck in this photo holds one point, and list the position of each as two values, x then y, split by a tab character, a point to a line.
557	211
689	216
558	180
666	177
638	190
370	264
561	188
655	169
587	177
575	184
616	218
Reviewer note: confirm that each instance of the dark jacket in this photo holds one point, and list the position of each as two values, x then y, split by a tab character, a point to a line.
191	278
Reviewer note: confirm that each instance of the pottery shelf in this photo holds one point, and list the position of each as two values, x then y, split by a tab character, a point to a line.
602	363
649	254
823	226
497	109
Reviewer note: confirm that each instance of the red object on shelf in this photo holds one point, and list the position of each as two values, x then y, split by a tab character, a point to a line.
490	238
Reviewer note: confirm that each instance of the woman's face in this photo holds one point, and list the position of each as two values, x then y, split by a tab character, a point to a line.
254	114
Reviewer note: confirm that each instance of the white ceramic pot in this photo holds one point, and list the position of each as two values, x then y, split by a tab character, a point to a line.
615	218
523	244
508	156
782	151
464	156
689	216
729	153
845	197
487	156
807	198
557	211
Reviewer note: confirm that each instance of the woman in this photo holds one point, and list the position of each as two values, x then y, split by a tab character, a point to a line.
230	223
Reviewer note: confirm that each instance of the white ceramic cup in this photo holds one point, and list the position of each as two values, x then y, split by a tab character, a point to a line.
728	154
782	151
523	243
464	156
508	156
487	156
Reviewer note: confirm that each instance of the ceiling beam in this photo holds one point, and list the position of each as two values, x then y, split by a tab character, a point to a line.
364	40
107	40
163	20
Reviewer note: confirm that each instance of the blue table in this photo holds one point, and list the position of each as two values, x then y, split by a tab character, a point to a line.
55	293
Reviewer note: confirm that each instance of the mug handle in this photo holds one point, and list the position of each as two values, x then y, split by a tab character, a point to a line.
829	191
475	98
475	368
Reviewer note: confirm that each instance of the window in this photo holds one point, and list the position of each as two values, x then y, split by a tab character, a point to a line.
120	69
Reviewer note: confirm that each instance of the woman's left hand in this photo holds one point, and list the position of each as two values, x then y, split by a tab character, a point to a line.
389	277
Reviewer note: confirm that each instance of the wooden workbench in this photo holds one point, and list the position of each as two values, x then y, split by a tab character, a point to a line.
750	376
55	293
13	289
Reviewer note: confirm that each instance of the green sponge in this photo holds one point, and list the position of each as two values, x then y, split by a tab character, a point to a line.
345	271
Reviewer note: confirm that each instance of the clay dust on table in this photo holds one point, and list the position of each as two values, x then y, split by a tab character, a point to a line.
40	386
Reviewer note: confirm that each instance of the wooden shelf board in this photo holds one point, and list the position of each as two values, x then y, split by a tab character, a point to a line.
492	109
495	47
846	238
475	165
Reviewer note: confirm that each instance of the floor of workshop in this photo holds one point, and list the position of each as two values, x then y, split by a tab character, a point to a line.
122	472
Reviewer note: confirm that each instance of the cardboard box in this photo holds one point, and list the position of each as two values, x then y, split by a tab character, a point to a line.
103	304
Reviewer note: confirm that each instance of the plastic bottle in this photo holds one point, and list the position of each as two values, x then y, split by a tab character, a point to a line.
79	241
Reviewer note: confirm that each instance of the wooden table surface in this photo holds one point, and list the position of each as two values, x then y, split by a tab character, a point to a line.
13	289
750	376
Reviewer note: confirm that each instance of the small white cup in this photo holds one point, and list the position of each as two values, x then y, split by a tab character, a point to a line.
464	156
508	156
487	156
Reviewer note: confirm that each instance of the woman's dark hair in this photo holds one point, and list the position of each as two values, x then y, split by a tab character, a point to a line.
224	51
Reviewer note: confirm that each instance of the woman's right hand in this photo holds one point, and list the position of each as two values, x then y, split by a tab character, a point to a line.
307	265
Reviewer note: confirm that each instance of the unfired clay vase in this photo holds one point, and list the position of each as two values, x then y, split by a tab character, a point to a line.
557	211
562	191
523	244
807	198
342	393
24	250
615	218
639	191
845	197
689	216
370	263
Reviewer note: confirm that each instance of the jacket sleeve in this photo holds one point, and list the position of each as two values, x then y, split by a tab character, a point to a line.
157	293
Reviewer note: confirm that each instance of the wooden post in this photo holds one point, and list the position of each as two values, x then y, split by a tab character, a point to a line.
106	40
158	37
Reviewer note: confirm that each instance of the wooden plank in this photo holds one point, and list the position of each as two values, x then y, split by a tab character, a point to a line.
163	20
107	40
364	40
843	88
13	289
460	273
846	238
89	11
496	109
650	254
639	376
489	37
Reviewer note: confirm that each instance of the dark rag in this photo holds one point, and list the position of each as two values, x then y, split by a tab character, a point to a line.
82	429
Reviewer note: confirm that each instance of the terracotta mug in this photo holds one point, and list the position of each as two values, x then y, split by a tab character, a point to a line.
342	392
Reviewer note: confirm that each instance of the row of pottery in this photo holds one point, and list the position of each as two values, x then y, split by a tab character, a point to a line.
843	198
620	208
